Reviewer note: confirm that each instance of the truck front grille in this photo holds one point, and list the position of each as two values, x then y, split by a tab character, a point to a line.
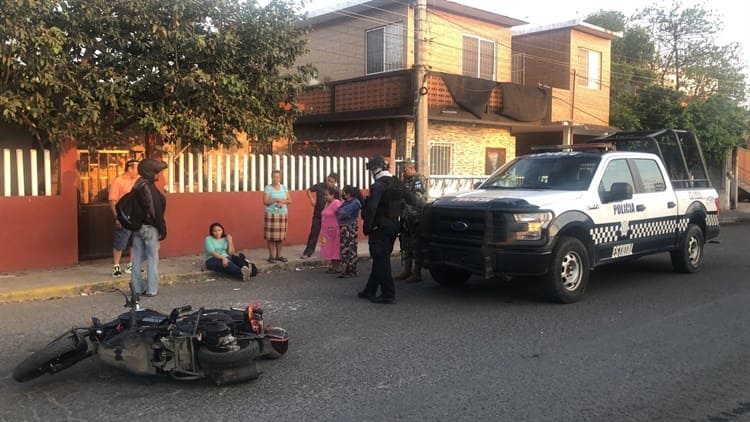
464	225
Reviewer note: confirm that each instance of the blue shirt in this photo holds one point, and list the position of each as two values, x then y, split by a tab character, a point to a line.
276	194
213	244
348	212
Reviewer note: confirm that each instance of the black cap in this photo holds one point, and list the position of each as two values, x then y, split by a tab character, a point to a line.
149	167
377	163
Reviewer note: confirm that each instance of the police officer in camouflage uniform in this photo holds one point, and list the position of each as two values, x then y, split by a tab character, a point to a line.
410	218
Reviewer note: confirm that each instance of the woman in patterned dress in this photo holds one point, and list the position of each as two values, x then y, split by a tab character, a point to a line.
348	216
275	198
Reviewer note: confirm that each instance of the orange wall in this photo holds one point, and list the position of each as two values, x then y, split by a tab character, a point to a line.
241	213
42	231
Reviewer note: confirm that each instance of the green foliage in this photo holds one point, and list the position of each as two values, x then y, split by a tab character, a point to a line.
667	57
658	107
189	71
630	73
719	123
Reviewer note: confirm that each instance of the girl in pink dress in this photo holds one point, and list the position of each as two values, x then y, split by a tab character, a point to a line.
329	231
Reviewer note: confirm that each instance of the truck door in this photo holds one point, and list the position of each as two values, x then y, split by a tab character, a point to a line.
619	215
655	194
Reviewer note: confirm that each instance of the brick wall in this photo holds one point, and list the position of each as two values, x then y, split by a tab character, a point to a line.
469	142
440	96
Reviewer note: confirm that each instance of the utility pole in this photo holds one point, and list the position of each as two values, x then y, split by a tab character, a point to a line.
421	94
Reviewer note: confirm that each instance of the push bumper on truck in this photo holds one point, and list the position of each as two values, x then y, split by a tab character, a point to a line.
480	239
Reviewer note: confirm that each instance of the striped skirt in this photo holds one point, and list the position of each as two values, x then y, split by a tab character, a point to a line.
275	226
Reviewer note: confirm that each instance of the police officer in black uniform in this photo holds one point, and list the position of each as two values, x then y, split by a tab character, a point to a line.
380	214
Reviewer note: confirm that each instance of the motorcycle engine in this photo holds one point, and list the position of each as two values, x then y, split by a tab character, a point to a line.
217	334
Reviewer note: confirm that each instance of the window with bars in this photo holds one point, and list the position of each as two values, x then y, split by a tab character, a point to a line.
478	57
589	68
385	48
518	71
441	158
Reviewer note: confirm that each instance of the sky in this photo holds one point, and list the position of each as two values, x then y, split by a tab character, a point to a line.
733	16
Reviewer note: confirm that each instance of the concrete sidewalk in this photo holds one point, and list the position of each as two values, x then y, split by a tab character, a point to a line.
93	276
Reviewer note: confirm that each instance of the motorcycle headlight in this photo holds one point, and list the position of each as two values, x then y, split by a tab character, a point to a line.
530	226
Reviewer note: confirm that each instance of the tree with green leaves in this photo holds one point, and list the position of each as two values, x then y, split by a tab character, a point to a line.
719	123
687	55
192	72
630	72
674	75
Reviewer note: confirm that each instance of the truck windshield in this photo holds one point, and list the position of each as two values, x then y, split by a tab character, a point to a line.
553	171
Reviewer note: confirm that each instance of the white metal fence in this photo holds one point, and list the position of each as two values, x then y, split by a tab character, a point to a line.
26	172
449	185
240	172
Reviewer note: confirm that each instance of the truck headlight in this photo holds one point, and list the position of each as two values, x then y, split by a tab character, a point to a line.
529	226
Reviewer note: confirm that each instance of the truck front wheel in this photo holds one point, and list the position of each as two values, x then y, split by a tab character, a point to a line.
689	257
568	275
448	276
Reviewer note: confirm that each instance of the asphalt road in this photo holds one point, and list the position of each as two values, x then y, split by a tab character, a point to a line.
646	344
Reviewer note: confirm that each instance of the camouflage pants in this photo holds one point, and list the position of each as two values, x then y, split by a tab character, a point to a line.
409	248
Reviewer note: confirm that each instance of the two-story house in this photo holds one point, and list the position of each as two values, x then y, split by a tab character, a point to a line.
492	92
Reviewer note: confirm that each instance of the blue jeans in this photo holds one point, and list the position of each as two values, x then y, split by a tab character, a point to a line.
146	246
214	264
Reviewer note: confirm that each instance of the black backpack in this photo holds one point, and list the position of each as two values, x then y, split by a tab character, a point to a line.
130	214
393	197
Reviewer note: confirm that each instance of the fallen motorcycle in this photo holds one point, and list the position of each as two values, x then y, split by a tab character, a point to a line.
218	344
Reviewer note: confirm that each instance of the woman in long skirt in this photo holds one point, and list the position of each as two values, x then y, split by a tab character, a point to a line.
329	231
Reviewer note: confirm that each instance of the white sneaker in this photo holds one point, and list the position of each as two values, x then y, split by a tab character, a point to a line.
129	268
246	273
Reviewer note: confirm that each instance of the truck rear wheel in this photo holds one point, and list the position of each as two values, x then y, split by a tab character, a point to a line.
568	275
447	276
689	257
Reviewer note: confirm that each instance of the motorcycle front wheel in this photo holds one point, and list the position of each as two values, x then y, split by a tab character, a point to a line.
59	354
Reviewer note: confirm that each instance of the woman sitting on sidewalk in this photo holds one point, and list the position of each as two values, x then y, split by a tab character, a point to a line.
219	249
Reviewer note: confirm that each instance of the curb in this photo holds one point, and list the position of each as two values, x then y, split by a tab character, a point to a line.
86	288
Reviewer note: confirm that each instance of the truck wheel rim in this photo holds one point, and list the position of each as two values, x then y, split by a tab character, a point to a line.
570	274
694	250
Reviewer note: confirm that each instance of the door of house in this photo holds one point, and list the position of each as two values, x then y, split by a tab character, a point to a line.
96	170
494	158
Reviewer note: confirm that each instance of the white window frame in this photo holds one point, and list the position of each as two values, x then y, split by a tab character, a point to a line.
393	48
590	68
480	40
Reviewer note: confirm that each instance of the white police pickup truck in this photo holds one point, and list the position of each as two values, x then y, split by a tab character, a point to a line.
563	212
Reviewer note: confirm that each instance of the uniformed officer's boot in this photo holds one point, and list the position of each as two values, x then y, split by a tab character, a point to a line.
415	277
405	273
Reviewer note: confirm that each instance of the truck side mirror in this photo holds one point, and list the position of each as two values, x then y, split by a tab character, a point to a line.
620	191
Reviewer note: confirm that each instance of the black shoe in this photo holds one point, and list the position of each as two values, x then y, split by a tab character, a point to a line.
384	300
364	295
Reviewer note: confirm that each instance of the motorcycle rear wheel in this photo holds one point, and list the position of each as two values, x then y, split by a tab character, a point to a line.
59	354
209	359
